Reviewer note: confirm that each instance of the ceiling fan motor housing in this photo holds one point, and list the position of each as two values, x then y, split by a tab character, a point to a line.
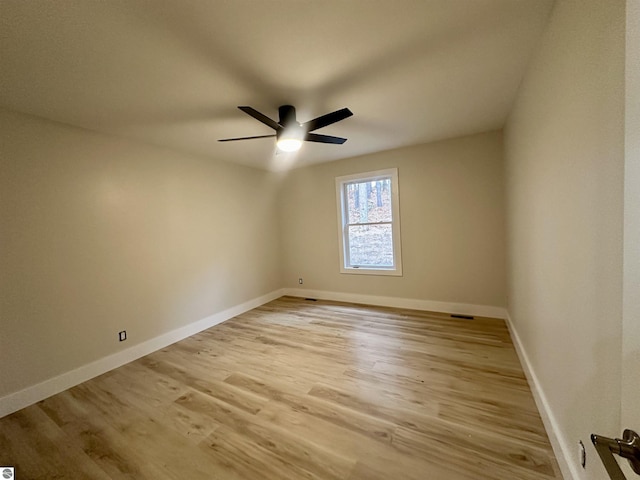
287	114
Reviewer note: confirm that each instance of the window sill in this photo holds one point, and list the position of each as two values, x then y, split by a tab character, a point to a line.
395	272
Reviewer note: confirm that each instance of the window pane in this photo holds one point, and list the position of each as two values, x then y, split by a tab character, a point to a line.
369	202
371	245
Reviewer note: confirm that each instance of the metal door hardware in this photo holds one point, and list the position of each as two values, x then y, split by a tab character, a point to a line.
626	447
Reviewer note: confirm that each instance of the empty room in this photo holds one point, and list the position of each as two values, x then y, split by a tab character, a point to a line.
338	240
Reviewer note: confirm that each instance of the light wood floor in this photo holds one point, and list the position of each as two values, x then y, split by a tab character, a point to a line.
298	389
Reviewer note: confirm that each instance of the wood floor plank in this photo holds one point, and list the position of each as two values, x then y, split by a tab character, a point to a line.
97	438
46	443
296	451
390	462
363	423
299	389
446	438
472	452
248	459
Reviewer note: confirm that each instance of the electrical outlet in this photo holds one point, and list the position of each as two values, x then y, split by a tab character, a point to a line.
300	281
582	454
122	336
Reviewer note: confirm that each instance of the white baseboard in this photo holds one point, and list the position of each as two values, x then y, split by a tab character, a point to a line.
397	302
561	447
35	393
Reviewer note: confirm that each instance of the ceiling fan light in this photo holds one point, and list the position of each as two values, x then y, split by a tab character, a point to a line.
289	144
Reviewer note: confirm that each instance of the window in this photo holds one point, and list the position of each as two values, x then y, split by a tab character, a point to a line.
369	223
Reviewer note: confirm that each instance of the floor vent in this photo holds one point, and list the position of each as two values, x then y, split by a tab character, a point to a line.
464	317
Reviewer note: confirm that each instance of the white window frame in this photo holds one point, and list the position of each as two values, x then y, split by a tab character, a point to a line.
341	183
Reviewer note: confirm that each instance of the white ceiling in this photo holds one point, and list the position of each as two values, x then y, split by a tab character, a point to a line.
171	72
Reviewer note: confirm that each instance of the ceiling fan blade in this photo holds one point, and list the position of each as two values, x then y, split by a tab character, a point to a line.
260	117
327	119
244	138
315	137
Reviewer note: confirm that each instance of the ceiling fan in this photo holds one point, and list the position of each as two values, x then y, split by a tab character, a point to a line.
289	133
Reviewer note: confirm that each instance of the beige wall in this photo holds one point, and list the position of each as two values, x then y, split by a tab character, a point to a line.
564	155
631	304
99	235
451	209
